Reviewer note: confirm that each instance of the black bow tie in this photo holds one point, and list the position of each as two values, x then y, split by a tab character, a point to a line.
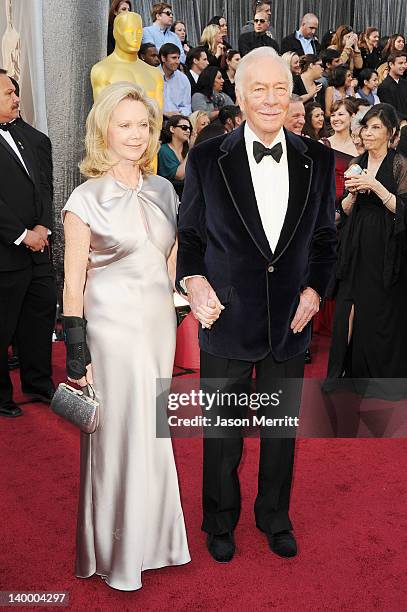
259	151
6	126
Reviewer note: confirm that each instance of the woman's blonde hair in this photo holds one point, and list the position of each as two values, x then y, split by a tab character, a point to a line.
97	161
382	72
193	117
208	36
288	57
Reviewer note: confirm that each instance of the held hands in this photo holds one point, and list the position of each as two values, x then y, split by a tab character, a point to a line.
307	308
35	241
204	302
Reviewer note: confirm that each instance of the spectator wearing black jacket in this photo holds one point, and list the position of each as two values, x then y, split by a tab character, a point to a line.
303	41
261	37
196	61
393	90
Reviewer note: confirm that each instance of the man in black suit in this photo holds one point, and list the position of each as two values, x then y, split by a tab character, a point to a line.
196	62
255	261
27	281
260	37
393	90
303	41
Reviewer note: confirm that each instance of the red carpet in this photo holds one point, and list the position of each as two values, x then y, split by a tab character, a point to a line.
348	508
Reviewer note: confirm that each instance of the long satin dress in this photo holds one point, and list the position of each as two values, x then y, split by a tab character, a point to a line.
130	517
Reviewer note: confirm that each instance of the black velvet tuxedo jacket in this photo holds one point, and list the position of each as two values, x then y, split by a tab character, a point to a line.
25	200
221	237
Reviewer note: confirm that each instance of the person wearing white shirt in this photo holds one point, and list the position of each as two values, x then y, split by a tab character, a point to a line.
256	251
177	89
160	32
303	41
27	279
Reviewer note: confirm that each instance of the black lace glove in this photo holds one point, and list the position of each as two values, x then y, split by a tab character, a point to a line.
77	352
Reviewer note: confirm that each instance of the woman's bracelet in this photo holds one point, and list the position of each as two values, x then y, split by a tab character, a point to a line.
387	198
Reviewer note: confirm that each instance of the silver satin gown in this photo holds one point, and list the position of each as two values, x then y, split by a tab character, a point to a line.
130	517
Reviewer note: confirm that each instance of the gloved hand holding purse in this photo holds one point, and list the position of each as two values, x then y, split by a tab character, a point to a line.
78	357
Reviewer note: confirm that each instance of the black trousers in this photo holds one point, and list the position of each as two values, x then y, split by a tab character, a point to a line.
221	489
27	312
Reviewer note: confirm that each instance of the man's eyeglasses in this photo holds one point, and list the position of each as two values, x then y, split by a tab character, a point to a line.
259	20
184	128
168	13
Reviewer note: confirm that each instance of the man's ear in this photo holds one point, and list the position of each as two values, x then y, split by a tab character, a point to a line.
239	100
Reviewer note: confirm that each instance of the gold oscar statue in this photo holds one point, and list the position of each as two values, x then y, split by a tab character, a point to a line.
124	64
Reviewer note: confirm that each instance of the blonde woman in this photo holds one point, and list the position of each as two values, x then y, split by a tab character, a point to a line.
212	42
382	72
120	244
293	60
198	119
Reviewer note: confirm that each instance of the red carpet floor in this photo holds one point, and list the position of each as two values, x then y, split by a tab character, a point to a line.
348	507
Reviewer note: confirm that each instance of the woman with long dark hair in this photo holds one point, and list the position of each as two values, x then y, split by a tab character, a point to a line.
117	6
341	140
370	328
209	96
368	44
395	43
173	153
180	29
340	86
314	126
228	75
306	84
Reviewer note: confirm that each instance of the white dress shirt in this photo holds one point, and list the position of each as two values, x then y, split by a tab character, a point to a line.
271	188
10	141
271	185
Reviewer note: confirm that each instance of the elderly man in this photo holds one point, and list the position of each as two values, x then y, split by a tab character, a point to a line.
257	244
295	119
303	41
27	284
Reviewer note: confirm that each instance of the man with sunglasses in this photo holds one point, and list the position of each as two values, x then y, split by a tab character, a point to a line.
260	37
263	6
160	32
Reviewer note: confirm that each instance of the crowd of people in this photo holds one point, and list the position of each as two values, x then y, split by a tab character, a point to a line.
364	68
320	122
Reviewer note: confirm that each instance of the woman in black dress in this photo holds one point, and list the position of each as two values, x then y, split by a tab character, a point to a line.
370	327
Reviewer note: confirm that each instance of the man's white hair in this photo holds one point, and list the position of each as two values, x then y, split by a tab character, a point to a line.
254	56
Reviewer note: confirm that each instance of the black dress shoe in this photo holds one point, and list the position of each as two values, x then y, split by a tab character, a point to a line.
222	547
39	395
283	543
308	357
13	362
10	410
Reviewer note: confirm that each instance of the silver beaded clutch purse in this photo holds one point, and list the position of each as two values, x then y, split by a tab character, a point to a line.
78	407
